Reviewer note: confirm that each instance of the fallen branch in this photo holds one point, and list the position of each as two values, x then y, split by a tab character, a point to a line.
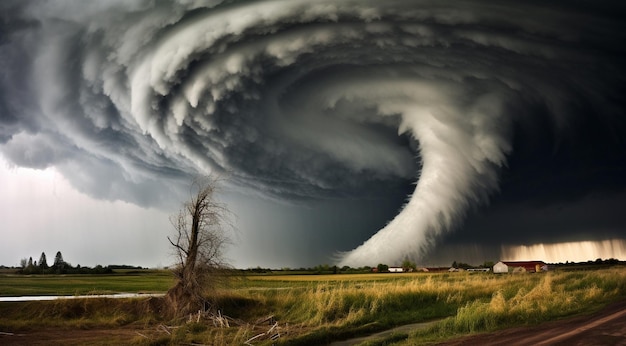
235	321
219	320
274	326
164	328
253	338
143	335
266	319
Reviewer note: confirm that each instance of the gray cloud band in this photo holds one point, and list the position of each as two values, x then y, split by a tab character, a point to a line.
300	99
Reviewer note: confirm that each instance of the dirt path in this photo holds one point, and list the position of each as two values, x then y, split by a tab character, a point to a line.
607	327
402	329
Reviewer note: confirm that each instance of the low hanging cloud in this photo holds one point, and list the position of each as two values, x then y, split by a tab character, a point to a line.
300	100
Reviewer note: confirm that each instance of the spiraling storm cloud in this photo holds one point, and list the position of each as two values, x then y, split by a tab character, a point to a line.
298	99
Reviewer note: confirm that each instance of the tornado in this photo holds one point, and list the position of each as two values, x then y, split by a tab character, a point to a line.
298	100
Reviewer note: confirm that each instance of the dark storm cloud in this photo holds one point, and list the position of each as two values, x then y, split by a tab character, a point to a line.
302	100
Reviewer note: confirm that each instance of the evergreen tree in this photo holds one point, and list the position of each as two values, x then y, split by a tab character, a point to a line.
30	262
43	263
60	266
58	260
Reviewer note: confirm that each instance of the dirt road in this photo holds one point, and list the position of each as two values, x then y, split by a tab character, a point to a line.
607	327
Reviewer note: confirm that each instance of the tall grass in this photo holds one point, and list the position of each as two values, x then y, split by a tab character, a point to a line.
472	302
339	306
78	313
345	307
553	296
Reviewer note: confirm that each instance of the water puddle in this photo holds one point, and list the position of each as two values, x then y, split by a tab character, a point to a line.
42	298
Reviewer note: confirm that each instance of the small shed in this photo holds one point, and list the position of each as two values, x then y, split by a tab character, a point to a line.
500	267
396	269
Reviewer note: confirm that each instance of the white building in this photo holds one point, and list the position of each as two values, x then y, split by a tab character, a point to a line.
500	267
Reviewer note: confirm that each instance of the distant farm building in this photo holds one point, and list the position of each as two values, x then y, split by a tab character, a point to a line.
520	266
396	269
473	270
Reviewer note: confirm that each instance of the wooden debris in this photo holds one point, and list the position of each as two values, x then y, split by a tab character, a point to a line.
165	328
248	342
145	336
269	318
266	328
273	333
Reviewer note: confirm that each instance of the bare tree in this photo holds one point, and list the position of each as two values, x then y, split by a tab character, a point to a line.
202	229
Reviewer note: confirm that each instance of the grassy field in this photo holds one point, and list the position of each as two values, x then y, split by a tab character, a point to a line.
317	309
339	306
145	281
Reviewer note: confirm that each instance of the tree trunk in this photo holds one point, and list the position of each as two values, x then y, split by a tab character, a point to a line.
198	246
185	297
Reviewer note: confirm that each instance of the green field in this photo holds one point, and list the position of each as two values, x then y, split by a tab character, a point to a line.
145	281
317	309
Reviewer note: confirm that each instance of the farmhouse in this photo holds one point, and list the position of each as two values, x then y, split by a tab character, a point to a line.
520	266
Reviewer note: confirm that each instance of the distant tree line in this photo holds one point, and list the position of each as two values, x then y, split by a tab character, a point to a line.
318	269
60	266
599	262
409	266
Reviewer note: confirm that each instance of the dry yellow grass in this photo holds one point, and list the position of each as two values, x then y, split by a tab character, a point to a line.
553	295
476	302
320	308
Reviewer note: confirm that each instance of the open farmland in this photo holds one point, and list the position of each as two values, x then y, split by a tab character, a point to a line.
319	309
144	281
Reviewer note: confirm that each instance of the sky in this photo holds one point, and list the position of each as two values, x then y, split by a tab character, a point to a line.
351	132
